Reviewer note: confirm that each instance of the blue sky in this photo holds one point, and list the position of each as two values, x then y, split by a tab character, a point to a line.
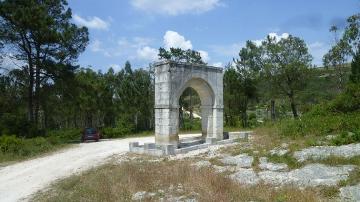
134	29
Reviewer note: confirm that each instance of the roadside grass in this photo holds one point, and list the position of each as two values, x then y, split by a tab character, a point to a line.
10	158
112	182
14	149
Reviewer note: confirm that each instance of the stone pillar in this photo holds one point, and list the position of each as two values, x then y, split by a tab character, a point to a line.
215	124
166	126
166	115
205	112
218	123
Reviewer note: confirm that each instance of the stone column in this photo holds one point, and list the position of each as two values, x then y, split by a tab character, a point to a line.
166	126
218	123
205	112
215	125
166	115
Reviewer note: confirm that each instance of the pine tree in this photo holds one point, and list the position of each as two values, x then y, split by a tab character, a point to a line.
355	69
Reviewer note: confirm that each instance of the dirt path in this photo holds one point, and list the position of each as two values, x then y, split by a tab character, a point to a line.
20	180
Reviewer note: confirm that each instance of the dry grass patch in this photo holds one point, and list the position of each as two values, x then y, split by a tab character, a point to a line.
119	182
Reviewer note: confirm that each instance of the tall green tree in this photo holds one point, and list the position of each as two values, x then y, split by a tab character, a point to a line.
287	63
248	67
40	34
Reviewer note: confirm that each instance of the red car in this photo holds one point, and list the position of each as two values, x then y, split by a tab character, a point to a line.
90	134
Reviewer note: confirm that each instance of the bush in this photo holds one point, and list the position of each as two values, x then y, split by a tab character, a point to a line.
64	136
195	124
21	147
346	138
311	124
115	132
11	144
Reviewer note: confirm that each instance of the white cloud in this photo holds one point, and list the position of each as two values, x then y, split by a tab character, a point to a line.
175	7
95	46
204	55
147	53
278	37
175	40
116	67
217	64
91	22
318	50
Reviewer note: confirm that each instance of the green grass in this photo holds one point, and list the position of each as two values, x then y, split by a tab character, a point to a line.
287	159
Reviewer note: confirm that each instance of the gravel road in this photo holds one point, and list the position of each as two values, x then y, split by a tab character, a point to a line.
21	180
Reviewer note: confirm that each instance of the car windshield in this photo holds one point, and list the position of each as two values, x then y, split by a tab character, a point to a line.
90	130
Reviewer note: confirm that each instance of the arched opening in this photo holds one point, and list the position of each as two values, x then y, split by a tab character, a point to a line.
196	98
189	110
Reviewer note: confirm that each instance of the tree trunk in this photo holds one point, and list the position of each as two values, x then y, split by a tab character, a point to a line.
293	105
244	119
37	94
272	110
30	93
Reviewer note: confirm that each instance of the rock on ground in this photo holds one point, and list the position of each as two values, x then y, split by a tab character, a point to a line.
350	193
245	176
142	195
265	165
221	169
308	176
279	151
322	152
242	160
311	175
202	164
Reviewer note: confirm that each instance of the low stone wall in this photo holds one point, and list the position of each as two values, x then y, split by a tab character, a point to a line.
166	150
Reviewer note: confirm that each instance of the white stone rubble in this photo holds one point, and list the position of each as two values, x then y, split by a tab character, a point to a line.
241	160
322	152
350	193
265	165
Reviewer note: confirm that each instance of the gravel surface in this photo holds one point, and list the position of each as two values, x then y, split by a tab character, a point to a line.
21	180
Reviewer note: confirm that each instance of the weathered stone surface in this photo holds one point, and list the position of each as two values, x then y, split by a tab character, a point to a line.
265	165
242	160
245	176
221	169
279	151
142	195
310	175
321	152
350	193
171	79
202	164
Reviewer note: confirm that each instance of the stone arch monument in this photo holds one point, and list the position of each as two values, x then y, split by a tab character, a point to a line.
171	79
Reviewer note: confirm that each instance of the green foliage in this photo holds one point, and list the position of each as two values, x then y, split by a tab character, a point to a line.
42	36
346	138
179	55
319	124
287	159
122	129
17	148
13	148
355	69
194	125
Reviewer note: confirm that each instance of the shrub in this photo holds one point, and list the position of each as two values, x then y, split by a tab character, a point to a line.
64	136
10	144
115	132
346	138
320	124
